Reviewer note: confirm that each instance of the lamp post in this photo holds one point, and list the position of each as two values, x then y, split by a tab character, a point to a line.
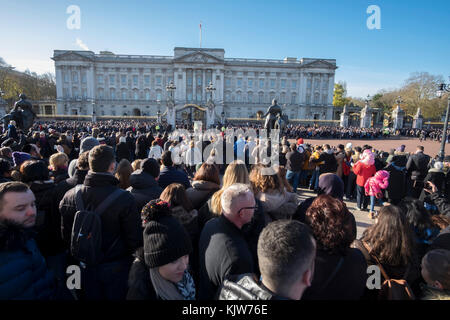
170	88
210	89
441	89
94	119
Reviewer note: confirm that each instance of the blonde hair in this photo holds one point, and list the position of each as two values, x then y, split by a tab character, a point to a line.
236	172
136	164
265	182
58	160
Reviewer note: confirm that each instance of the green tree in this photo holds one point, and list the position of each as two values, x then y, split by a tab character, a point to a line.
339	95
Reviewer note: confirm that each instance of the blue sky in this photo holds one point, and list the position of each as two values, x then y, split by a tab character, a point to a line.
414	35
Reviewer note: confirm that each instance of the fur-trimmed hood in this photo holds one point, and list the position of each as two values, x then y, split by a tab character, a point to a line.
13	236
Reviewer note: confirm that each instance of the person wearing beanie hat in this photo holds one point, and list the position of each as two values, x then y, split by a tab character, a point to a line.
85	145
20	157
160	270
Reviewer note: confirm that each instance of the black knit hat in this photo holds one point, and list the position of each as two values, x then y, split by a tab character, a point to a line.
165	239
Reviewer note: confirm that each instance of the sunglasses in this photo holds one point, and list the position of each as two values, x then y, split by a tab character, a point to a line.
245	208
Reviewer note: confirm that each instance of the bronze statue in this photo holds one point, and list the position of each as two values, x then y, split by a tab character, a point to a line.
22	114
274	117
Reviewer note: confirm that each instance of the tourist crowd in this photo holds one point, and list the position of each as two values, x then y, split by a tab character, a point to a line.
146	215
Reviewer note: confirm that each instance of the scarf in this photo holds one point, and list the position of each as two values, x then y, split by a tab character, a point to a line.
167	290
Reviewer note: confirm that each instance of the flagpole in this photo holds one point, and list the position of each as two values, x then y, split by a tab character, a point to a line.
200	34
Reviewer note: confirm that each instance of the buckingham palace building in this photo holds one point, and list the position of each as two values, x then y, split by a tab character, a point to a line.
108	84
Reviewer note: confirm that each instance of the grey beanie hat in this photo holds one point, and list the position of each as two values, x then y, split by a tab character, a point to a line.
88	143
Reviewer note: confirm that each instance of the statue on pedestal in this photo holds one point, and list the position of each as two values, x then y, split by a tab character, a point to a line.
22	114
274	117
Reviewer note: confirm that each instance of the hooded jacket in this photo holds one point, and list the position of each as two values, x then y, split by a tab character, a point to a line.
144	188
23	272
278	205
374	184
201	192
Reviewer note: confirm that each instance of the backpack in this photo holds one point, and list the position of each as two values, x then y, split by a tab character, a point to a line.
391	289
86	239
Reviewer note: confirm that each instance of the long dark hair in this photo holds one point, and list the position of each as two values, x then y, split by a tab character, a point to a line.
417	216
391	238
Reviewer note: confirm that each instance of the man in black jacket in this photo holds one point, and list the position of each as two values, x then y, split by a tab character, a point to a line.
294	164
286	254
330	162
223	249
121	227
417	166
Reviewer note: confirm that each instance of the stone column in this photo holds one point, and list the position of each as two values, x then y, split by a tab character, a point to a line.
344	117
418	120
366	115
398	114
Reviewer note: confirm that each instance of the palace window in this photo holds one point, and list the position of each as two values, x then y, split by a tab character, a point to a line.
100	79
199	80
136	95
83	78
308	84
66	76
250	83
147	80
147	95
228	82
283	83
124	95
112	80
158	80
272	83
113	94
123	79
75	77
135	80
239	83
261	83
189	97
250	97
294	84
293	98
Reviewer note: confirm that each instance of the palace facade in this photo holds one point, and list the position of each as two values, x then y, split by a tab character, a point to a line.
135	85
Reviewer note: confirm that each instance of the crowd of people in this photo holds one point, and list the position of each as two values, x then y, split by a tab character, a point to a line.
145	215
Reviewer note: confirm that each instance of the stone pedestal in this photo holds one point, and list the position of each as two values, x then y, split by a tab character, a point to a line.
418	120
366	117
210	115
344	117
398	115
171	115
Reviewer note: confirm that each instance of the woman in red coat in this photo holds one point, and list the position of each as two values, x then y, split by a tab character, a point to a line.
364	169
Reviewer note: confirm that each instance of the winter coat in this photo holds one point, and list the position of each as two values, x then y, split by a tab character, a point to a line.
340	156
122	152
144	188
69	183
396	182
363	172
329	165
294	161
201	192
441	203
23	272
59	175
278	205
120	221
246	287
141	151
374	184
140	286
170	175
48	218
417	165
437	177
155	152
347	284
223	251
